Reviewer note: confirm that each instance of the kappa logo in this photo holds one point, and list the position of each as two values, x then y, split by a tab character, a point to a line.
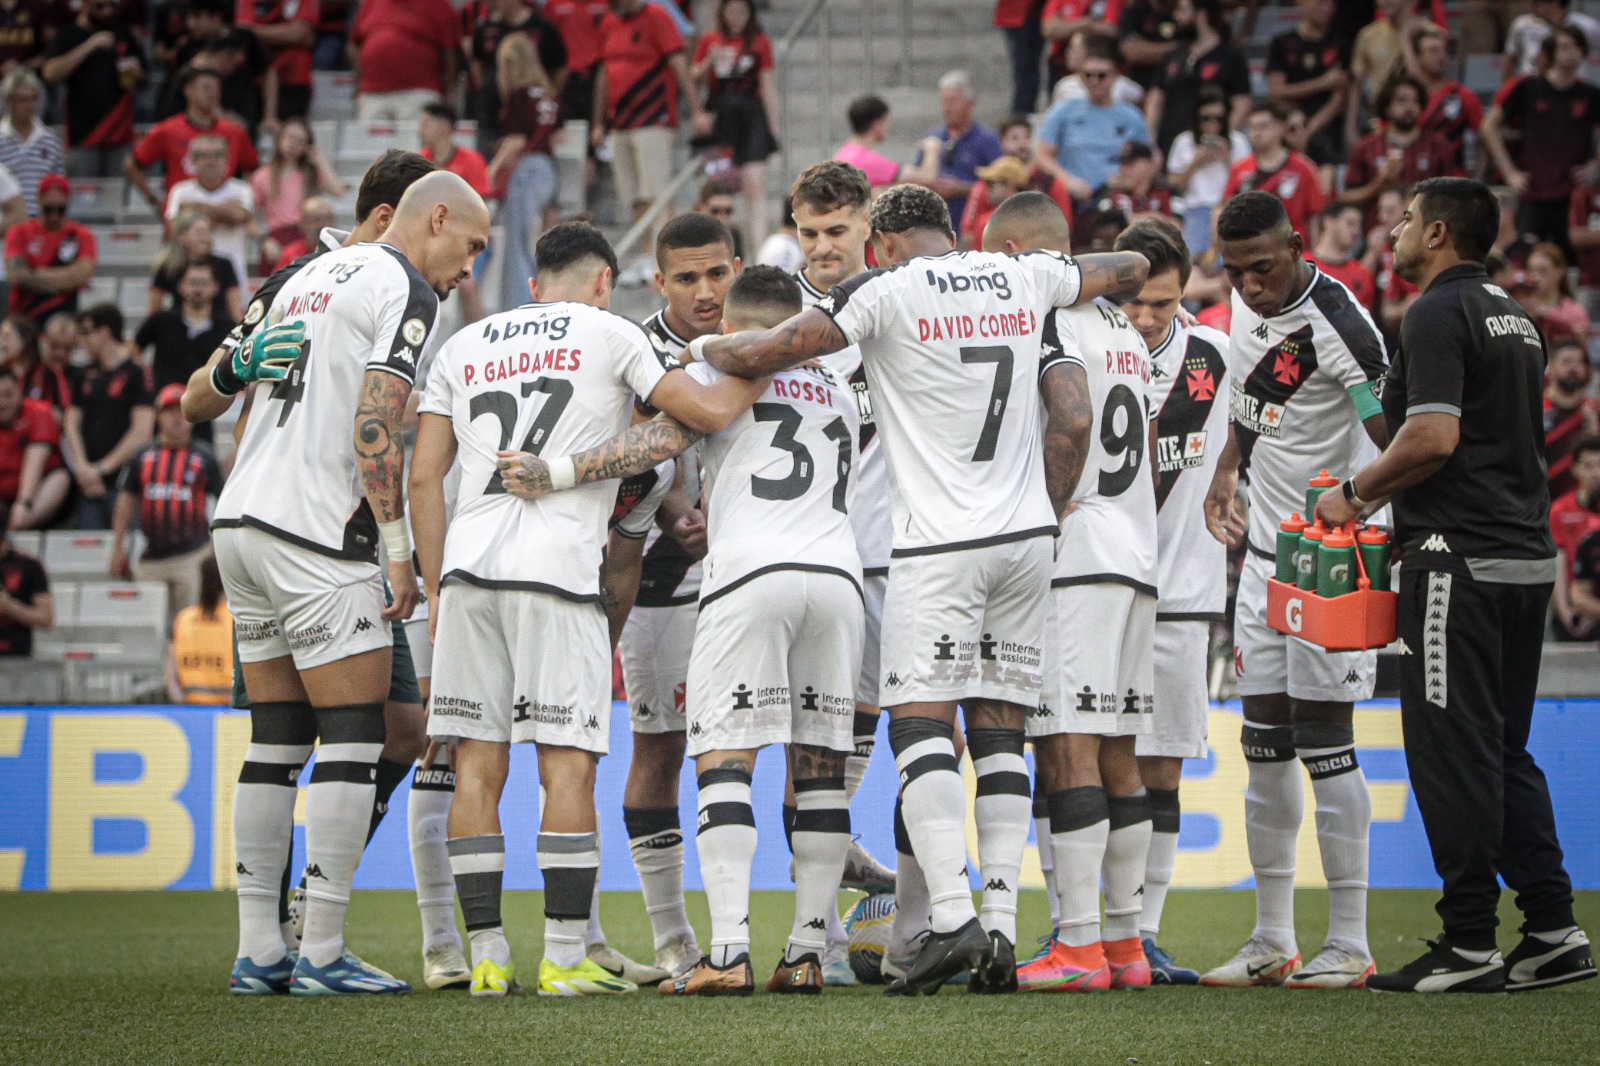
695	730
826	304
315	871
996	885
363	624
591	722
1353	677
406	355
893	680
1401	647
741	698
643	711
944	648
808	699
1435	543
239	868
816	923
1260	332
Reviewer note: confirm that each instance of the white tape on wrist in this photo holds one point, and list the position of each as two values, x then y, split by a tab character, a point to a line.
396	540
697	349
563	472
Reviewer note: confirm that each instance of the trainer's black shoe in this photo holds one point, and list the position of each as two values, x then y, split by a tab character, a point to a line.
943	954
1443	969
1537	963
997	973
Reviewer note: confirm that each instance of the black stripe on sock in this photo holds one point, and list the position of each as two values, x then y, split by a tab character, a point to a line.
270	773
789	811
1165	814
350	773
1004	783
286	723
904	732
1124	811
713	815
865	728
722	777
1272	744
1078	808
902	837
986	742
928	764
569	891
819	784
1331	765
822	820
353	723
1041	801
649	821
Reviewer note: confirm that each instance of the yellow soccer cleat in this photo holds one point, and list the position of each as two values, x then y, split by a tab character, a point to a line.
584	979
491	979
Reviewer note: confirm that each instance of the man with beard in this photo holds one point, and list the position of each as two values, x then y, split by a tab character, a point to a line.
1399	153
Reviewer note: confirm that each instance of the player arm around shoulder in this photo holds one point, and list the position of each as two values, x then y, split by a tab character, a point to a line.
1069	416
381	459
431	459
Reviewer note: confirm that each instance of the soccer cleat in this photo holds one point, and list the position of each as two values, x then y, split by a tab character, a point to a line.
1259	962
344	976
997	973
942	955
1129	967
1045	943
584	979
836	971
1537	963
1164	970
489	978
1335	966
251	979
802	977
704	979
443	966
1067	969
617	964
863	873
678	955
1443	969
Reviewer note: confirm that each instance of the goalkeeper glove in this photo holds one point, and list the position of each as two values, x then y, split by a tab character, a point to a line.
263	356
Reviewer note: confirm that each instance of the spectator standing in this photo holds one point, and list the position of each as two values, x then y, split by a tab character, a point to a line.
316	214
437	131
287	30
168	141
869	127
111	417
49	259
1020	21
1376	55
1080	141
297	170
190	242
1556	115
1198	163
1134	188
1532	28
182	338
1208	59
1452	110
1124	90
1574	516
28	148
1549	299
1399	153
33	483
578	24
950	155
523	166
97	60
24	25
25	603
166	487
1016	142
735	61
405	54
200	658
1308	67
41	380
1060	23
234	56
1148	30
1583	230
228	202
1273	167
505	17
1570	413
1337	238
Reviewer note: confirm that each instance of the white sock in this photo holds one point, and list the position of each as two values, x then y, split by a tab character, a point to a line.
592	933
1549	936
1047	856
1079	826
479	865
570	866
865	738
1344	816
1165	816
263	830
655	840
821	841
726	841
934	807
1002	808
1274	802
338	814
427	810
910	887
1127	851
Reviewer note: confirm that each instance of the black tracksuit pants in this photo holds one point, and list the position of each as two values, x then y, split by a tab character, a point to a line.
1468	678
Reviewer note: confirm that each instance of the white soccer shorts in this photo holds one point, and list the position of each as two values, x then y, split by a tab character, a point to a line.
967	624
1104	677
655	646
775	662
417	637
286	600
873	589
1267	662
1183	701
521	667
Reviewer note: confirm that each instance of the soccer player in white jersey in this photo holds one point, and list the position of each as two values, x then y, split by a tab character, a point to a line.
301	567
951	345
1305	362
1189	426
1098	693
522	649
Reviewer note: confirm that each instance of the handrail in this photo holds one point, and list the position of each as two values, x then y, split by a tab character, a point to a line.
688	171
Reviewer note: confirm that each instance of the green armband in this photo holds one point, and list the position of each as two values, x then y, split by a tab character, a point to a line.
1365	397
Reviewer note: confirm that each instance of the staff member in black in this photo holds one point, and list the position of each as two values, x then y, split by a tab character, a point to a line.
1465	469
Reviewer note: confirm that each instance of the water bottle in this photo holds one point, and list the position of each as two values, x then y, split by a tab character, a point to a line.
1375	550
1306	558
1336	564
1319	484
1289	546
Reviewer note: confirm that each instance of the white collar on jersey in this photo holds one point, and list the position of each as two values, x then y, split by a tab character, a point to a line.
1173	329
333	238
1316	276
658	321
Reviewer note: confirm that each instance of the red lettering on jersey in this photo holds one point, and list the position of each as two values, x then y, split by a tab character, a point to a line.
1238	662
1286	368
1201	385
470	373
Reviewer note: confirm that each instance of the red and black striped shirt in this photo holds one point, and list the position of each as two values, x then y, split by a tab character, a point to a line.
637	50
172	484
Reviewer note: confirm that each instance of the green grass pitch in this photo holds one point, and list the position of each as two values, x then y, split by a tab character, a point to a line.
142	978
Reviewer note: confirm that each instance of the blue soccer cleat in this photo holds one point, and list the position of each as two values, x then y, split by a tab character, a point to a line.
251	979
344	976
1164	970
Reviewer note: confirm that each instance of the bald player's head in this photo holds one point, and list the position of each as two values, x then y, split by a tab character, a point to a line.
441	225
1026	221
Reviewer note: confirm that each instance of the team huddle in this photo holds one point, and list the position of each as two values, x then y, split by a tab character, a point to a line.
998	481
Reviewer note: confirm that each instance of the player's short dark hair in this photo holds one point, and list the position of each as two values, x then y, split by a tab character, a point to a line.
101	316
1277	110
568	244
1570	344
830	185
387	180
191	75
903	208
1468	210
1585	444
1161	242
1380	106
763	296
440	109
1012	123
692	229
1547	48
1251	214
1099	45
864	111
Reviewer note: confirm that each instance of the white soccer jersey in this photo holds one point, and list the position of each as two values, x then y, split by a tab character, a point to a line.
1302	381
872	513
546	378
365	308
951	347
669	576
1189	402
777	482
1110	536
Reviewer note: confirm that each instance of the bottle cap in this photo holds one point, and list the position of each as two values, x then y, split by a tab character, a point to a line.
1314	531
1338	538
1373	535
1324	480
1294	523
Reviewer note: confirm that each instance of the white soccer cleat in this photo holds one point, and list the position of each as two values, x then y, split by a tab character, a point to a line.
443	966
679	955
1335	966
836	971
863	873
1259	962
617	964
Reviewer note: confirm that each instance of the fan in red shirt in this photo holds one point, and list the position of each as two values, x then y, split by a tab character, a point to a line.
167	142
1452	108
1063	18
21	356
33	482
1273	167
1583	230
437	130
1573	517
578	22
49	259
1337	238
1397	154
286	29
1016	141
316	214
407	53
1569	412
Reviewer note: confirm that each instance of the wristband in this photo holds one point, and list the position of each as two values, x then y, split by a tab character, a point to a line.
396	540
563	472
1350	496
224	382
697	349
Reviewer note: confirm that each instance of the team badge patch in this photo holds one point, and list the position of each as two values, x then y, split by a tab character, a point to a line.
253	314
414	331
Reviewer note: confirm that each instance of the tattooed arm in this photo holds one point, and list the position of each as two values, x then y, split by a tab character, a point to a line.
752	353
633	451
1069	416
1116	275
381	459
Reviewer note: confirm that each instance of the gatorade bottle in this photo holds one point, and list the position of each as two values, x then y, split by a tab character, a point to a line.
1336	564
1375	550
1306	558
1319	484
1288	546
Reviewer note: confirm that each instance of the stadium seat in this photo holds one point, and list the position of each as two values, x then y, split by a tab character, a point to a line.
97	199
27	541
135	208
133	298
130	247
102	290
367	141
34	681
73	553
111	639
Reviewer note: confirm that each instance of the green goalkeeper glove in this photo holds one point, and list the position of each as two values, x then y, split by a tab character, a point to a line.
263	356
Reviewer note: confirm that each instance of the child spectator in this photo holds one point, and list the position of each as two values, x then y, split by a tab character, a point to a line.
296	170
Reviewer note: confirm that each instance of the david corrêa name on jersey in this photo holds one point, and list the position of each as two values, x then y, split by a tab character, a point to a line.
998	325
